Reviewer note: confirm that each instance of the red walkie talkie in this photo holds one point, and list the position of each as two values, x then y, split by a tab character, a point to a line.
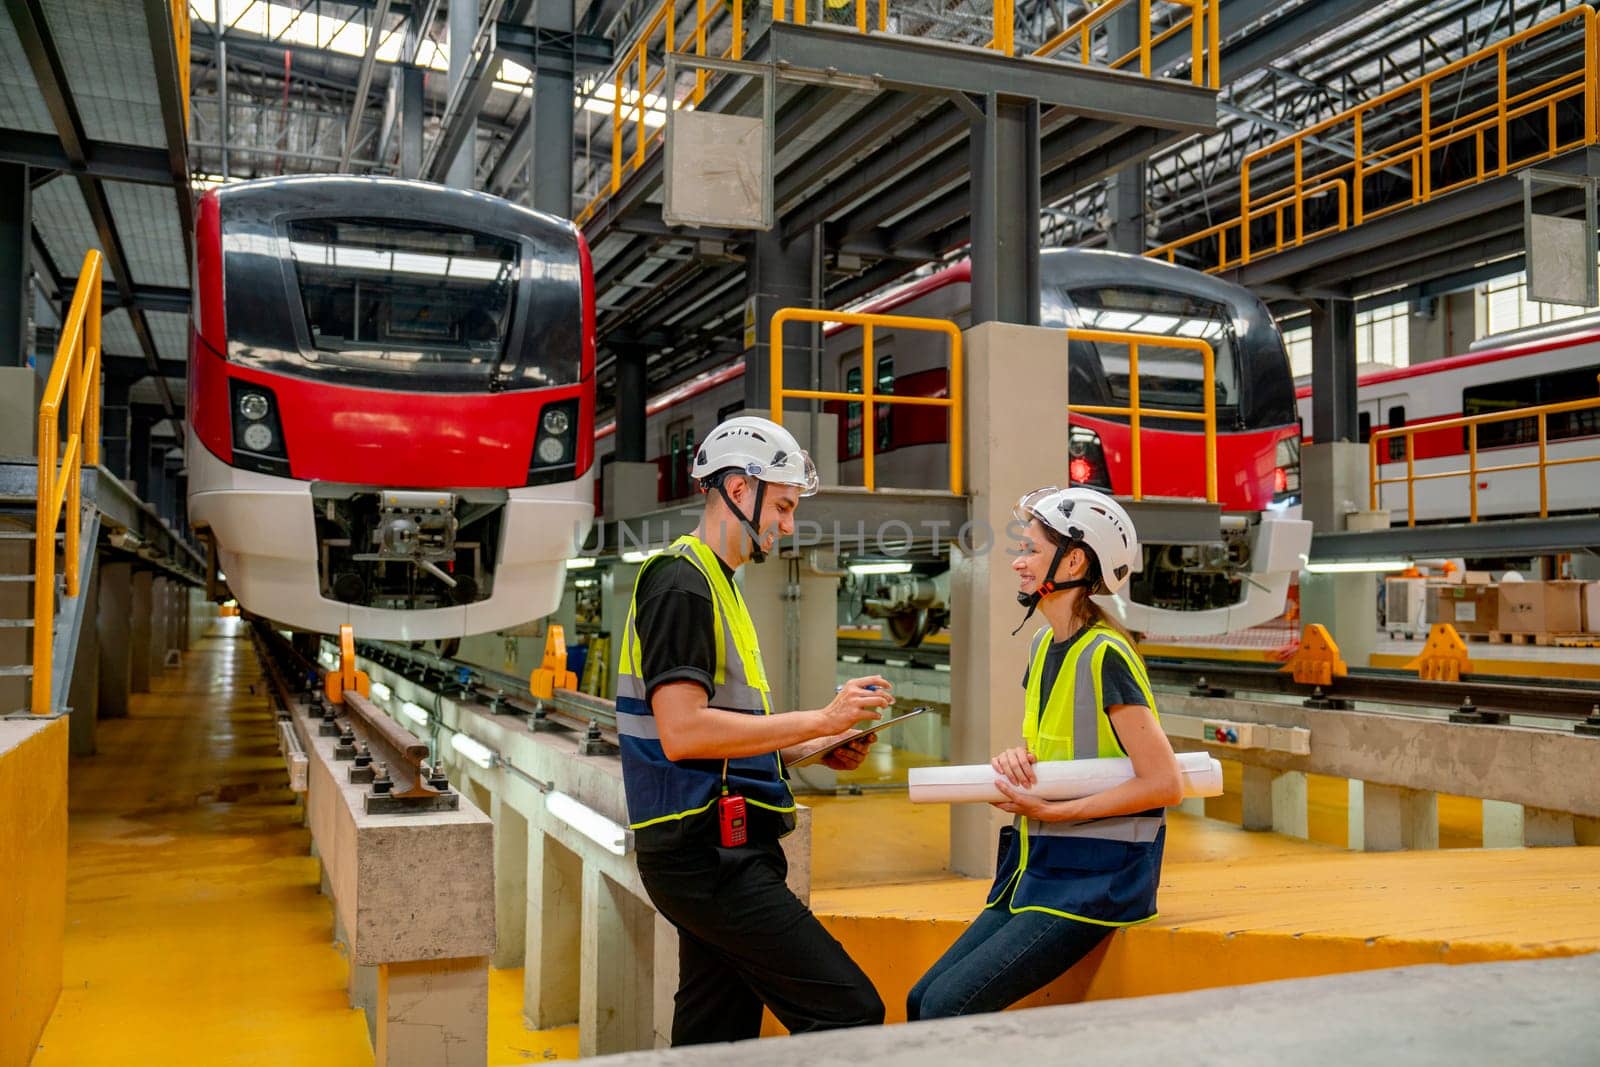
731	820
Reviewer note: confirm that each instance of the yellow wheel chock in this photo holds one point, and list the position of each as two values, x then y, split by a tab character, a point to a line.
552	674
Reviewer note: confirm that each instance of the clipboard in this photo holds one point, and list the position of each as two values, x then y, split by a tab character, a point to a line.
816	755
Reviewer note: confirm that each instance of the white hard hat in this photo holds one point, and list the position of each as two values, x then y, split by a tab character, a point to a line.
760	448
1092	519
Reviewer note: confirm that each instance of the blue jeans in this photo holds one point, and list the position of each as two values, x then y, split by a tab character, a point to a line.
999	960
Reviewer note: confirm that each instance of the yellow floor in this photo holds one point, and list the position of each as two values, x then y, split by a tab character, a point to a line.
195	932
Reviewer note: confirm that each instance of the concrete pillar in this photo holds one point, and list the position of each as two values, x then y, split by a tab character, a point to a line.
1275	800
616	594
1004	160
510	882
555	915
1541	828
159	605
83	689
550	162
986	663
616	998
1335	481
1395	818
780	277
1502	824
112	621
794	605
432	1012
16	245
140	626
628	490
463	171
666	957
1585	831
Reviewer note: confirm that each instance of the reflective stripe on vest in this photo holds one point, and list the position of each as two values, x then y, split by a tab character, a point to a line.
1073	725
659	790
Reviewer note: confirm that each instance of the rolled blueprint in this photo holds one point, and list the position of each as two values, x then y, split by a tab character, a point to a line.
1063	780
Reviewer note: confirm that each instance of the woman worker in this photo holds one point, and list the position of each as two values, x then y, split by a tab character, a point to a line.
1070	871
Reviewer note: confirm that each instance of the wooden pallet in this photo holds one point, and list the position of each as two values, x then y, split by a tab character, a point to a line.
1559	640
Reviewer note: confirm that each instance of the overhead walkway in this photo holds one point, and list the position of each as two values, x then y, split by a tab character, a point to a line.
873	144
1417	183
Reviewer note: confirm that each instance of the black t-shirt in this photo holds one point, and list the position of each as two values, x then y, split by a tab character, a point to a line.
676	624
1117	683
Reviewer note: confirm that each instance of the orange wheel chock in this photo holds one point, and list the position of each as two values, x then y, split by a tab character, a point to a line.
552	674
1444	657
1317	662
346	679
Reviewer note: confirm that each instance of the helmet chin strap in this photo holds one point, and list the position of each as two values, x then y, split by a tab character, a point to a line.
1048	586
757	553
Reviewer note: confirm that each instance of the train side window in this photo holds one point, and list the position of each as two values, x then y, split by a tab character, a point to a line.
1397	419
1364	426
882	440
852	415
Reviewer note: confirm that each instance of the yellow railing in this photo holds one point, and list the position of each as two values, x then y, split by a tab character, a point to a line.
1471	424
1135	412
867	398
180	41
638	80
1203	25
75	382
1414	156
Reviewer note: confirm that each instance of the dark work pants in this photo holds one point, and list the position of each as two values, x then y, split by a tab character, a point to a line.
1000	959
745	940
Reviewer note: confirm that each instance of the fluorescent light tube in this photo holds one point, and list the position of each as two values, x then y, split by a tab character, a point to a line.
474	750
414	713
578	563
1358	566
880	568
381	691
588	822
639	557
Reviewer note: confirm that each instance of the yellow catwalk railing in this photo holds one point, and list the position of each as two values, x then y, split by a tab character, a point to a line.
1562	99
716	29
180	43
75	382
868	398
1135	412
1471	423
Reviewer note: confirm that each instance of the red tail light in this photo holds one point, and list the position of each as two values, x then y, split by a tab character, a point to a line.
1081	470
1280	480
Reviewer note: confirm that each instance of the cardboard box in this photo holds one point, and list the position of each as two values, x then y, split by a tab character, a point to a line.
1591	607
1471	609
1477	577
1540	607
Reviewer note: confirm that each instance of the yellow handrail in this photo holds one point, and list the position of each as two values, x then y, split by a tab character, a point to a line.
180	42
1134	411
1203	24
867	398
1417	152
1471	424
75	380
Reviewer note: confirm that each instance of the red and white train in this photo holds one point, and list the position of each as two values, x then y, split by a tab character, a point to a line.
391	404
1182	589
1545	365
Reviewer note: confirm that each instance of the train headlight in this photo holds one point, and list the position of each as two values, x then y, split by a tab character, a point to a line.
254	407
555	423
551	450
257	435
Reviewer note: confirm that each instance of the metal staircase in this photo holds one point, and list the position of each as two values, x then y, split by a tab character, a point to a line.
18	574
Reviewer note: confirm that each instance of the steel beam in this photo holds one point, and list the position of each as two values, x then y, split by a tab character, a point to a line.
174	112
1333	371
920	66
550	168
101	159
1492	537
145	297
358	106
16	241
1005	211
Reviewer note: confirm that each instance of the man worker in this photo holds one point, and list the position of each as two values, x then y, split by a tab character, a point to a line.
703	760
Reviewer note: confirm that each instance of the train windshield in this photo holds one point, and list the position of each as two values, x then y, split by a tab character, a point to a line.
1169	377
